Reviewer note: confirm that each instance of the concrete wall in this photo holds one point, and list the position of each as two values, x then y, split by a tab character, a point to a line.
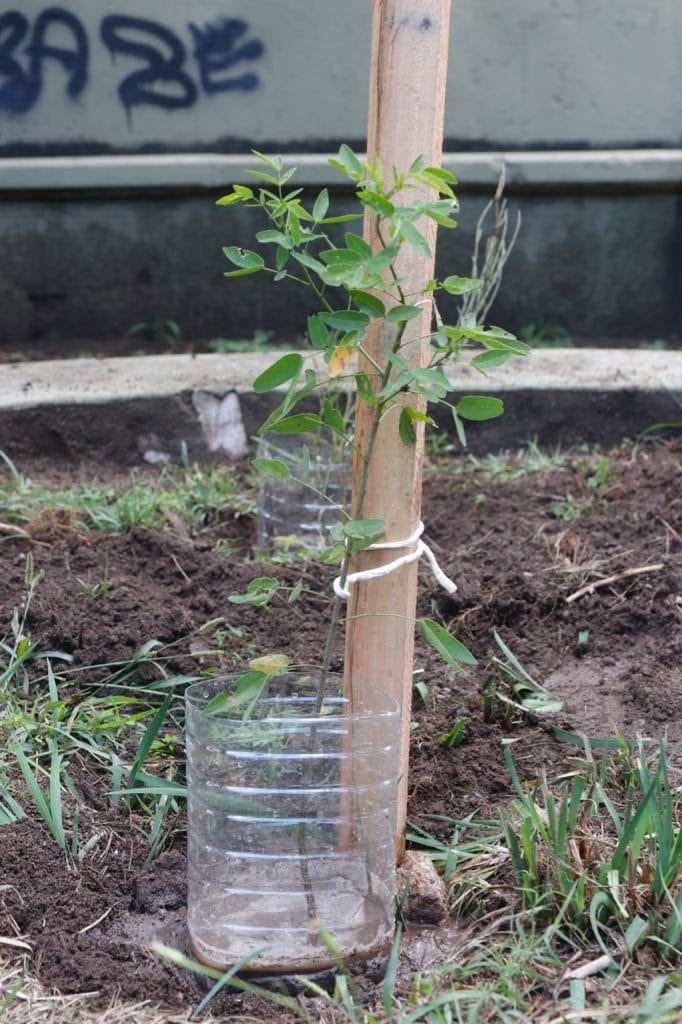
94	240
90	269
88	76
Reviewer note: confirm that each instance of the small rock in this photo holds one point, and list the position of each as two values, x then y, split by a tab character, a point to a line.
427	901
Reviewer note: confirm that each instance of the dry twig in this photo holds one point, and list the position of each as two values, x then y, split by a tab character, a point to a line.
608	580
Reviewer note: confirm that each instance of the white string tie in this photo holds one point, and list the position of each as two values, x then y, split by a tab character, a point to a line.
420	548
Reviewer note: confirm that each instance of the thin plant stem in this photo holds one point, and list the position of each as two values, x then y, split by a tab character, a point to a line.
336	618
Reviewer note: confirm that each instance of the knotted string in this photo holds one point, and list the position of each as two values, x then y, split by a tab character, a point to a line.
421	548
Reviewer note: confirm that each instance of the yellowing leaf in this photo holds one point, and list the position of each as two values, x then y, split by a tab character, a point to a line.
270	664
341	356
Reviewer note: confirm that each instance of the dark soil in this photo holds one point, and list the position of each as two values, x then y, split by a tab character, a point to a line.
515	563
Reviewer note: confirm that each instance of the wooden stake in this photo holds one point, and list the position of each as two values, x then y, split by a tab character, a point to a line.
406	107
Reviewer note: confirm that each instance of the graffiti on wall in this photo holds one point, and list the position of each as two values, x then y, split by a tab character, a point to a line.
167	76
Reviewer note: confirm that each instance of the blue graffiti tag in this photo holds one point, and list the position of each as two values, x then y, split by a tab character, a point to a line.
138	87
21	88
219	47
216	51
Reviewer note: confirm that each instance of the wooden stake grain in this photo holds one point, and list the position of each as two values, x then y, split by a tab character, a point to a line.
406	109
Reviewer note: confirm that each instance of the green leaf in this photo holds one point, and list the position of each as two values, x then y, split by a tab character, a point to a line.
408	417
341	219
275	163
384	258
417	166
244	258
332	417
363	384
447	645
441	172
368	303
341	257
479	407
348	162
401	313
309	261
379	204
441	218
273	467
321	205
496	338
276	237
415	238
318	333
358	245
241	273
430	382
490	360
240	194
298	424
258	593
248	687
332	555
286	368
363	532
345	320
408	435
461	285
262	176
294	226
281	260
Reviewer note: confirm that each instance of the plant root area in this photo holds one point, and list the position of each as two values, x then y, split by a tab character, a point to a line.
520	543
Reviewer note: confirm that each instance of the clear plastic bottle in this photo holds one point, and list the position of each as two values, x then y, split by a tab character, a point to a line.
301	510
291	826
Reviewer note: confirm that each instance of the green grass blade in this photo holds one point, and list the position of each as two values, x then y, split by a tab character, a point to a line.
200	1007
147	740
35	791
389	978
116	778
14	809
634	833
180	960
56	795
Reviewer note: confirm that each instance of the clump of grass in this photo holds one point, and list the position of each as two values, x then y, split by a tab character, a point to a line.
109	726
183	498
603	855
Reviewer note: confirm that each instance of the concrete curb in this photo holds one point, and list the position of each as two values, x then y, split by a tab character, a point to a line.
147	408
525	168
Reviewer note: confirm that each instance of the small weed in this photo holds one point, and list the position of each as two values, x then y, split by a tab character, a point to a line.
260	342
546	332
570	508
508	690
656	345
456	734
526	461
159	329
599	477
97	588
420	691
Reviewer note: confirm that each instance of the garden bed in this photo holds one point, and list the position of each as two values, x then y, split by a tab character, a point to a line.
519	534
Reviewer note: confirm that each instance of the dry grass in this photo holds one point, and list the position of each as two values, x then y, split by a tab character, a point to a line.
34	1004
